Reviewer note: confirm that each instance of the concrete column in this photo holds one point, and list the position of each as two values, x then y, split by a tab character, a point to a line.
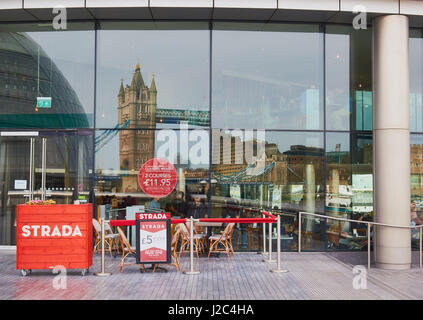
391	140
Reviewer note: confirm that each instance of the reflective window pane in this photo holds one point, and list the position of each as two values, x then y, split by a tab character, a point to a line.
121	153
416	181
40	76
348	78
68	172
153	75
416	80
275	71
273	170
349	188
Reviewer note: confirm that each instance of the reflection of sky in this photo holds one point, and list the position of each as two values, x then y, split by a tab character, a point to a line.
179	60
416	65
73	54
338	81
333	139
269	73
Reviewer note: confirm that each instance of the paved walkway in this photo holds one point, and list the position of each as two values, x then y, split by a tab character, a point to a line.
244	277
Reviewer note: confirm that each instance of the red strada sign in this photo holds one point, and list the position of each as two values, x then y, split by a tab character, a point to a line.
45	231
52	235
153	237
153	216
157	177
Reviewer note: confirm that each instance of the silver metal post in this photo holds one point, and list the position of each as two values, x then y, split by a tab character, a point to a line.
31	169
299	232
43	168
191	248
264	236
368	246
374	241
278	246
270	245
102	273
420	253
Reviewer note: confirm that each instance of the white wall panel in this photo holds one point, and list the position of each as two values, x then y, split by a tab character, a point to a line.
330	5
247	4
116	3
414	7
182	3
374	6
39	4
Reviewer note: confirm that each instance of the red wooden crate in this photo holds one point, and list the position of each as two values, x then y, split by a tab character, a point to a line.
48	236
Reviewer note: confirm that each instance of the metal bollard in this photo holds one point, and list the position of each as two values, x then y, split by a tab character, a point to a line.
420	253
368	246
264	237
102	273
270	245
191	248
278	246
299	232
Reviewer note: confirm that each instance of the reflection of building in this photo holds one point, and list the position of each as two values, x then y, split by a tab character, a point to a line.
298	156
137	108
416	168
137	103
21	82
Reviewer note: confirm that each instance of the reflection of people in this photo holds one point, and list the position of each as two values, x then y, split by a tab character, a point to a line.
154	204
197	209
74	195
179	208
415	220
115	202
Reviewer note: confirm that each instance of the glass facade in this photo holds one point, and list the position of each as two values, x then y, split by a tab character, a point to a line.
273	116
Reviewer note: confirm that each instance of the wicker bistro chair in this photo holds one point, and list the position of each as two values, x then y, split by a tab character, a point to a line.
109	238
127	250
224	239
199	237
185	240
174	253
115	237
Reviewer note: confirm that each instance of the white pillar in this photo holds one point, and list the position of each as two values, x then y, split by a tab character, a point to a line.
391	140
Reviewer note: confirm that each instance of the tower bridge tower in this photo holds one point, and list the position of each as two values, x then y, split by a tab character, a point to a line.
136	103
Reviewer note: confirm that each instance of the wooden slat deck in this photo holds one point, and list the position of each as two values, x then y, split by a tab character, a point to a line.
244	277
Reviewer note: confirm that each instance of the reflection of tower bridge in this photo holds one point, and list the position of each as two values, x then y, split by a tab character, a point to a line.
165	116
191	117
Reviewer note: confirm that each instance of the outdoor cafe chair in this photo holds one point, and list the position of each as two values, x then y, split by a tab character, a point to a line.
224	239
200	239
185	240
174	253
126	250
108	237
115	237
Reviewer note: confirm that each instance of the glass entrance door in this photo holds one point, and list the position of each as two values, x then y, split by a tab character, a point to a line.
41	165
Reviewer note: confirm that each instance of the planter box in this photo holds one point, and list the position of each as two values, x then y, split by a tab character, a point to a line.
48	236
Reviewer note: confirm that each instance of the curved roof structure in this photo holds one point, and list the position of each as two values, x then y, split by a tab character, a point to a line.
21	82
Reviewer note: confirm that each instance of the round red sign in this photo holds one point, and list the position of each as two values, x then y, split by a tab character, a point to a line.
157	177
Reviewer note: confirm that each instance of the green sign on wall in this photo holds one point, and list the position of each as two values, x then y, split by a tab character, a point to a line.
43	102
